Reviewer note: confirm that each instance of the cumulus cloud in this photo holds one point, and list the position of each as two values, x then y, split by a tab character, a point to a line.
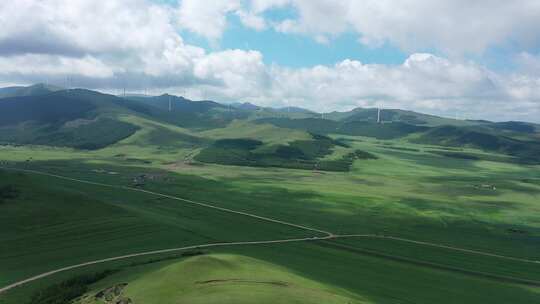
453	26
204	18
136	44
456	27
117	39
81	27
251	20
423	82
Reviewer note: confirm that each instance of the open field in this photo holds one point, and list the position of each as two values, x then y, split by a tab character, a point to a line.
407	192
209	280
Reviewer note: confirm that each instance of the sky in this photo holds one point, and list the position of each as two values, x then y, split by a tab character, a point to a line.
456	58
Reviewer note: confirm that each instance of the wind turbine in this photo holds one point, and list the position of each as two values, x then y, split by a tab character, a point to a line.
378	115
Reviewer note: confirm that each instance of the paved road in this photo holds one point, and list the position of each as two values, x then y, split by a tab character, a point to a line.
326	234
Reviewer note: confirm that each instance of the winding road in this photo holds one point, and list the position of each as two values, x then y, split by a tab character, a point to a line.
325	235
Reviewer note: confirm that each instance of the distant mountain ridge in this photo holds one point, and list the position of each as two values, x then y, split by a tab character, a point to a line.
86	119
33	90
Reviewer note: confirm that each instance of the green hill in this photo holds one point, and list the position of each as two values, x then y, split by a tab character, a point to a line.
75	118
347	127
33	90
85	119
223	279
298	154
396	115
482	138
199	115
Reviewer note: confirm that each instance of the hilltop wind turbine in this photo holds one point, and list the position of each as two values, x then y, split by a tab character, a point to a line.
378	115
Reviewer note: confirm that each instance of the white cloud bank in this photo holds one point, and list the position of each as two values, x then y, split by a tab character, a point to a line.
136	44
453	26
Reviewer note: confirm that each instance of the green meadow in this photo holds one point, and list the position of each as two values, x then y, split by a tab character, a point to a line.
488	203
419	209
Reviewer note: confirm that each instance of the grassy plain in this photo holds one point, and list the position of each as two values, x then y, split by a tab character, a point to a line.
408	192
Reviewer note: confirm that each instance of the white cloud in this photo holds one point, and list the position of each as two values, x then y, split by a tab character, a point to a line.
78	27
318	18
207	19
251	20
423	82
259	6
136	44
31	64
455	27
528	63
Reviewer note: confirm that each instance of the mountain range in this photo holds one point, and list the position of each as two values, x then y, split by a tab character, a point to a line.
84	119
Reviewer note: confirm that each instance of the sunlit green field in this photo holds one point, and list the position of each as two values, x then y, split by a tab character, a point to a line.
411	191
207	279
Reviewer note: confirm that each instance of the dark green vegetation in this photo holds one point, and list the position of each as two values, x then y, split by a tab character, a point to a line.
526	150
201	115
491	137
8	192
415	176
33	90
107	222
83	134
355	128
90	120
299	154
76	118
68	290
83	119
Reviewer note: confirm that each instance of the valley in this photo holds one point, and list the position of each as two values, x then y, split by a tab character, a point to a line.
342	208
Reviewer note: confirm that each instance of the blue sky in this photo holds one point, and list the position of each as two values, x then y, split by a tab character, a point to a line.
300	51
292	50
297	51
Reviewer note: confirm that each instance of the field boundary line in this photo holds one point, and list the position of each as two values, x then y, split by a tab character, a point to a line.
206	205
145	253
439	246
328	236
432	265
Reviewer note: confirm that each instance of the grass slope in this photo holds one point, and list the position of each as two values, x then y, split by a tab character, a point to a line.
526	150
390	130
33	90
457	196
76	118
226	279
440	206
298	154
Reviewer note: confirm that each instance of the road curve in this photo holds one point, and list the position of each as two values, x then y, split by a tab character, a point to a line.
49	273
327	235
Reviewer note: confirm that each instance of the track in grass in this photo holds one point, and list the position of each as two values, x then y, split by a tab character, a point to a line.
327	236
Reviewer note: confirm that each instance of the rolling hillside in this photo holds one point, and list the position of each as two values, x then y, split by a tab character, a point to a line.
221	279
84	119
525	149
33	90
424	202
76	118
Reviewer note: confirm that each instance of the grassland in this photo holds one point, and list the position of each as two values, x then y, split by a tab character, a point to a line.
488	203
230	279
